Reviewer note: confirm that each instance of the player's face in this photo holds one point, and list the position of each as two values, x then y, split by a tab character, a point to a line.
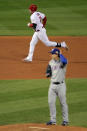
55	57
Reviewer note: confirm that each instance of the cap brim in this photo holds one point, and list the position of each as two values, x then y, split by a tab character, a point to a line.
52	53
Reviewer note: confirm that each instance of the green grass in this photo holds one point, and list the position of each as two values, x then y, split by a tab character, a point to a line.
25	101
65	17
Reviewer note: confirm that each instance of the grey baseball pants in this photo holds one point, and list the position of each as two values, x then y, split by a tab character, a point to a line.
60	92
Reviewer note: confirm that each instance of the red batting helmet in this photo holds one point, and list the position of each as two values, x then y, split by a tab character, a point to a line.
33	7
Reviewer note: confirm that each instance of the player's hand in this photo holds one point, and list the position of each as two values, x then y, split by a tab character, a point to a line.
28	24
63	44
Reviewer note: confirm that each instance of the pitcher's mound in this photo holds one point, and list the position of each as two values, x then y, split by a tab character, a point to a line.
39	127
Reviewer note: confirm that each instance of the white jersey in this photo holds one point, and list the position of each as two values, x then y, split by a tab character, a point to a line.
58	73
36	18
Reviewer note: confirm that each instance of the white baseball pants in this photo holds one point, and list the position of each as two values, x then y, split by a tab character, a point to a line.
41	35
60	92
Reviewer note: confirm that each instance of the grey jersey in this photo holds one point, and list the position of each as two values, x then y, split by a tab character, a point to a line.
58	72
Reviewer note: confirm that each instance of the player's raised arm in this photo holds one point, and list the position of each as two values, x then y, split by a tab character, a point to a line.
63	59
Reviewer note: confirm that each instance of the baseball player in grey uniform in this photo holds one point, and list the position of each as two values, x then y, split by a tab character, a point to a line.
56	70
38	22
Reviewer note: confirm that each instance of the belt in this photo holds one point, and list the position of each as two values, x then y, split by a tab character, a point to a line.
57	83
37	30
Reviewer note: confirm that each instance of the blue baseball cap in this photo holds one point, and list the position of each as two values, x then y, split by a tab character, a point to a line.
55	51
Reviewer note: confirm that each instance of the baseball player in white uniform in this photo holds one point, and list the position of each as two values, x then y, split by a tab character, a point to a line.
38	22
56	70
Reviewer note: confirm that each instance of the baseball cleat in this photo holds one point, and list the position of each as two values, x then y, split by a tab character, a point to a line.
65	123
64	45
51	123
27	60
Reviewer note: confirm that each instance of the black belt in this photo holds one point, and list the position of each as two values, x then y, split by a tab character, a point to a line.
57	83
37	30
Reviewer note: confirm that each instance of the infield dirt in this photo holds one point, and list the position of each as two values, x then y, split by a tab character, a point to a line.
14	49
